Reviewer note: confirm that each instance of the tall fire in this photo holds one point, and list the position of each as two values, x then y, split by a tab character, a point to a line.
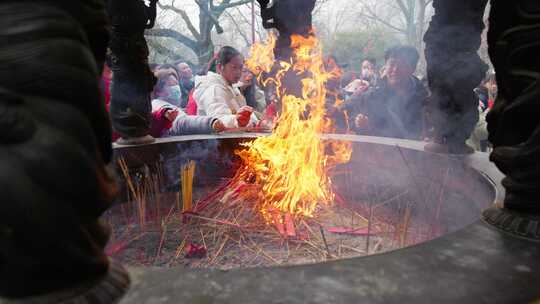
291	166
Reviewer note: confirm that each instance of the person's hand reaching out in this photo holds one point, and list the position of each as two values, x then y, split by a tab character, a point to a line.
361	121
243	116
361	89
218	126
171	114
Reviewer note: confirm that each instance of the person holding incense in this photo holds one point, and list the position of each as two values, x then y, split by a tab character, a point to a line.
217	95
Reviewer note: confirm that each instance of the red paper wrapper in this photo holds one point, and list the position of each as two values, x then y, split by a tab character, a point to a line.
194	251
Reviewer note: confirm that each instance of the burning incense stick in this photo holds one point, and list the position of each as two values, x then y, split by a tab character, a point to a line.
405	226
329	255
186	173
138	192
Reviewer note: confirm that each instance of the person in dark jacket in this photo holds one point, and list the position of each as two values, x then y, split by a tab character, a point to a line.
395	107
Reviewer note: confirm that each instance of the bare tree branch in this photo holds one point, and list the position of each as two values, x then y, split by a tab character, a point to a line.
318	6
168	33
226	4
404	9
184	16
373	16
239	29
218	11
209	12
409	19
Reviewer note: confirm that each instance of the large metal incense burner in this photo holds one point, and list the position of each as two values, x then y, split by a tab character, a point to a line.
404	226
382	174
462	260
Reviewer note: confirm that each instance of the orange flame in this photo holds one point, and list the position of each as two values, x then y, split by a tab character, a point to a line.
292	164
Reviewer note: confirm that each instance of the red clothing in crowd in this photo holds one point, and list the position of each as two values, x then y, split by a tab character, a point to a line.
191	108
106	78
160	123
271	111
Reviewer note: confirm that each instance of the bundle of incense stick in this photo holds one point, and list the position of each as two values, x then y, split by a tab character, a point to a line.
186	173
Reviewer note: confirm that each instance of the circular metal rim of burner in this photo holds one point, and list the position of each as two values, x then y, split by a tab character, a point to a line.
477	161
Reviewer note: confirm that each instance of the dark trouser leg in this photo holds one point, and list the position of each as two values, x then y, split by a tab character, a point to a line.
132	80
514	123
130	103
454	70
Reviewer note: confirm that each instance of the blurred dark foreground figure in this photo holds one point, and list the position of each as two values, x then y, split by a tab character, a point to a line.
133	81
56	141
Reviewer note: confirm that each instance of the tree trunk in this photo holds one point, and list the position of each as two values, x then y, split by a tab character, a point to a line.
207	52
205	46
411	24
420	23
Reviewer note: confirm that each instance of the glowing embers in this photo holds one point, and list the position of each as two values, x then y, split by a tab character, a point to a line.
290	167
382	202
225	228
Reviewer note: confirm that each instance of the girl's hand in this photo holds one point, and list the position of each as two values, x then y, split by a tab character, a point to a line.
243	116
218	126
171	114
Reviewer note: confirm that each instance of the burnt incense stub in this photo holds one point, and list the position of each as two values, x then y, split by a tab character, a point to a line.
55	139
513	123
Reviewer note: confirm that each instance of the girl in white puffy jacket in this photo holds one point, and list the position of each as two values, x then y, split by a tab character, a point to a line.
217	96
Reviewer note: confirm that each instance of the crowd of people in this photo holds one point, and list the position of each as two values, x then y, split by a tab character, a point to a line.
389	101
